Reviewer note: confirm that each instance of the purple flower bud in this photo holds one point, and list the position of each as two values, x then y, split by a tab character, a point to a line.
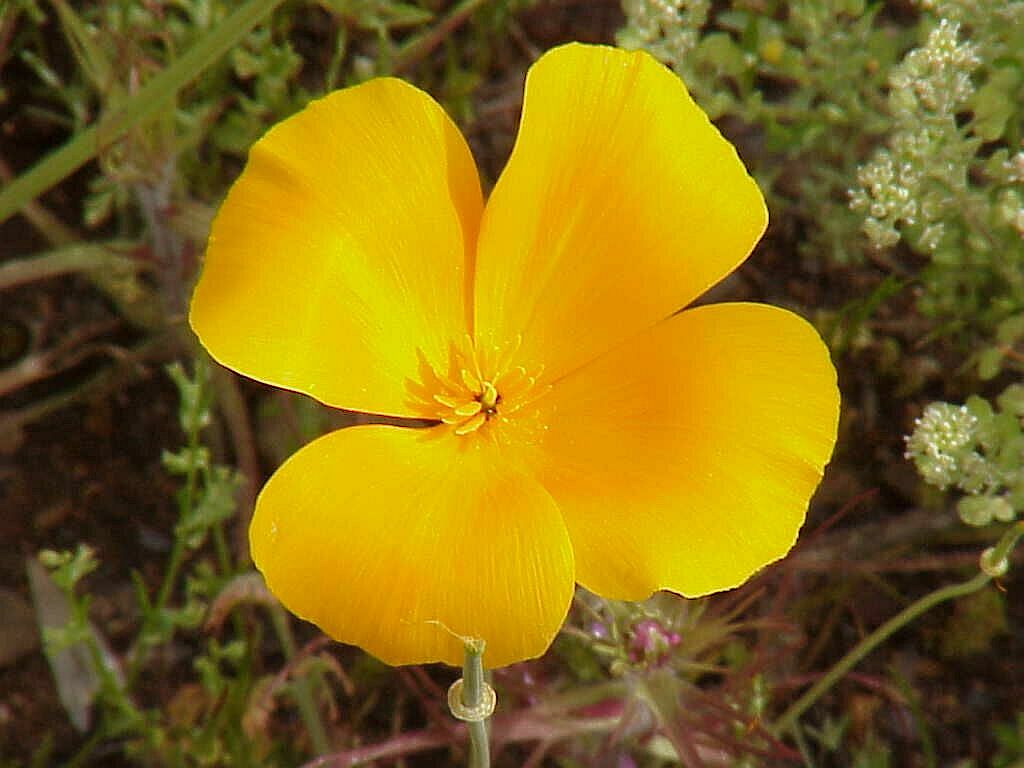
651	642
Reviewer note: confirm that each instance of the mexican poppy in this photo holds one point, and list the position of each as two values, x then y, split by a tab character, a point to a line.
582	428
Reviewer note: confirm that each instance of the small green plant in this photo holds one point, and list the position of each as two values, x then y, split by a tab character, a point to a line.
948	181
898	142
887	137
208	725
979	450
807	76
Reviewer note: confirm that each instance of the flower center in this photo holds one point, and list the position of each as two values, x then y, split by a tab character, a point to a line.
478	387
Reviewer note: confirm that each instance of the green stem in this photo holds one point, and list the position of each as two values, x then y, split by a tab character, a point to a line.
186	505
479	745
152	97
418	47
55	231
171	574
301	688
177	557
82	257
1001	551
788	720
472	695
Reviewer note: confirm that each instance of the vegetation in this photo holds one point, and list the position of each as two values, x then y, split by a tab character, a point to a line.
887	137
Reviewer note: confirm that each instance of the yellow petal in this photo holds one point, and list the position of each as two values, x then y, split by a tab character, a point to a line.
400	540
685	459
620	204
344	246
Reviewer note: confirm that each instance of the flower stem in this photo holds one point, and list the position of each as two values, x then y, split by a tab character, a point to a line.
472	697
472	700
787	722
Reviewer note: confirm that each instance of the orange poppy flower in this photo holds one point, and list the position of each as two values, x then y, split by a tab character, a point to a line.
585	431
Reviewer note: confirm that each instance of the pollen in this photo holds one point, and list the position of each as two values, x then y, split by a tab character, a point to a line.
479	387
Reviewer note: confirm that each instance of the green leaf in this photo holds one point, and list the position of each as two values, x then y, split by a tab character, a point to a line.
216	504
1010	330
980	409
718	50
990	363
98	206
975	510
90	55
186	460
995	103
194	406
406	15
1012	399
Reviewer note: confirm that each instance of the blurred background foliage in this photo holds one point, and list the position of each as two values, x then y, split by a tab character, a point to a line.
887	137
889	132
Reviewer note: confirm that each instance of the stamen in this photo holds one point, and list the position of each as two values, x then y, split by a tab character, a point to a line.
529	396
476	387
511	380
472	408
505	357
471	425
489	397
471	381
